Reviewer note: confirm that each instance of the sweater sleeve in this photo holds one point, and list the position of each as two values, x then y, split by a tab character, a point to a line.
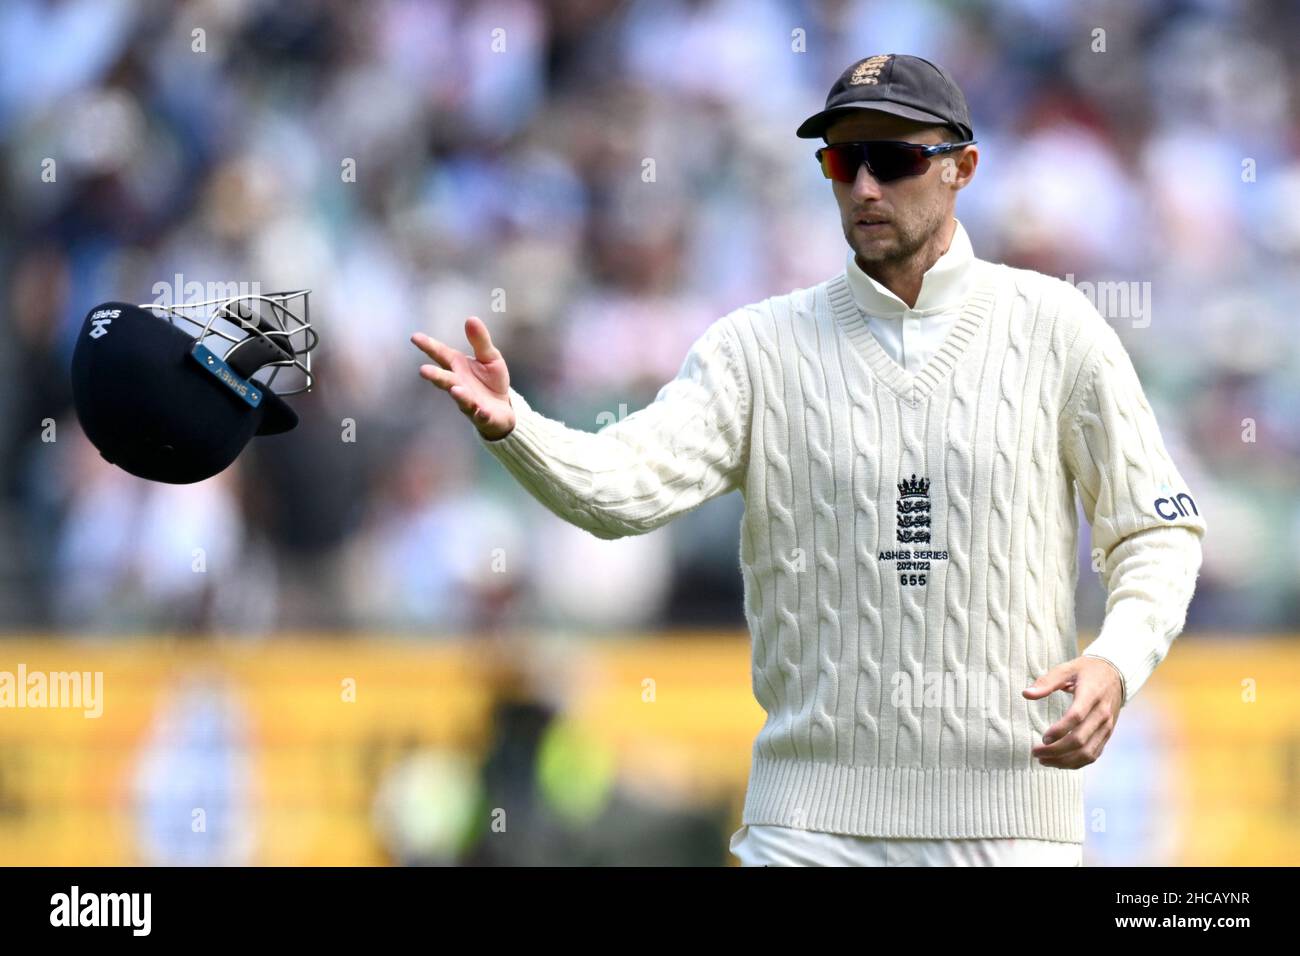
686	447
1145	522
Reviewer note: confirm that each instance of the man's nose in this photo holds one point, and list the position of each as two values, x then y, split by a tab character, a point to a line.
865	185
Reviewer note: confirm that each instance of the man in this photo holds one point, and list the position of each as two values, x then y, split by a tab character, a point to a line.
907	436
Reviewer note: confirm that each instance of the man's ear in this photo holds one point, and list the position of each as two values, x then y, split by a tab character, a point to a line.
959	170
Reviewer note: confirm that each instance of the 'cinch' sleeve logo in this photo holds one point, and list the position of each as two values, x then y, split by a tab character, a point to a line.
1176	506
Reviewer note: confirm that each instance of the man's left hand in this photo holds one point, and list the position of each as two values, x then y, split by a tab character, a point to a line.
1078	738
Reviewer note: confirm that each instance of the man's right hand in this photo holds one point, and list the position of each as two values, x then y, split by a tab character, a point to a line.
479	384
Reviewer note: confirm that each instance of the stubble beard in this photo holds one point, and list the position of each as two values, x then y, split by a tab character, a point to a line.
907	243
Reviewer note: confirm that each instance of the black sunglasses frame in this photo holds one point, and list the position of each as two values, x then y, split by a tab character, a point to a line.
920	150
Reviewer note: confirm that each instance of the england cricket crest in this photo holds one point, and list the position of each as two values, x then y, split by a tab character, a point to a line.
913	561
914	510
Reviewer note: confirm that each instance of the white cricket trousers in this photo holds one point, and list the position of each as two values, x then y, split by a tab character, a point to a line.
762	845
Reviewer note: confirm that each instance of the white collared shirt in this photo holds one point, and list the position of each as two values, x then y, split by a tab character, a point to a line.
910	336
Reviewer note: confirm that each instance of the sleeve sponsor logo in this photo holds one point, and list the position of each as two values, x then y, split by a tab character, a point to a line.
1176	506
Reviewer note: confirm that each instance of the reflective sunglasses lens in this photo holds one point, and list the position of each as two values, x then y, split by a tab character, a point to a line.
841	162
887	161
897	161
890	161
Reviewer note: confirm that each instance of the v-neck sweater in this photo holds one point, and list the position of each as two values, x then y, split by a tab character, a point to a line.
908	546
911	333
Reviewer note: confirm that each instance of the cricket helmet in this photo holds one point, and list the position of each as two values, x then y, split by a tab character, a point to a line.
173	393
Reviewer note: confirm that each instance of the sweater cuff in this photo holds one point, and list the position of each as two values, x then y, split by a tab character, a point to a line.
513	447
1129	642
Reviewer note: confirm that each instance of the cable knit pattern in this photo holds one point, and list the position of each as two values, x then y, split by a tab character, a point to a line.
687	446
894	626
1150	557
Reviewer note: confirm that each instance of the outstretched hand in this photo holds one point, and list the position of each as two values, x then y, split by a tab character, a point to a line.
479	383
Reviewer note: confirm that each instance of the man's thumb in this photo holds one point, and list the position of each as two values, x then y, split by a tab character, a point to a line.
1049	683
481	340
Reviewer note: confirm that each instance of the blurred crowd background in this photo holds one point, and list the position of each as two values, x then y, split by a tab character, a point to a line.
414	162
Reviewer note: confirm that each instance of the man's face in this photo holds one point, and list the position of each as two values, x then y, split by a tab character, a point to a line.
887	222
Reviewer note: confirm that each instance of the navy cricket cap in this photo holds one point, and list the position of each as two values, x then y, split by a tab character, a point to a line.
161	404
894	83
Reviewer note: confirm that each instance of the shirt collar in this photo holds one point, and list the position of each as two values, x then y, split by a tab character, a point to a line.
943	287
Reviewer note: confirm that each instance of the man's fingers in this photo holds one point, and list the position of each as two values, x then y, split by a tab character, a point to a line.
1079	711
1075	761
1071	742
448	382
440	377
459	392
481	340
439	352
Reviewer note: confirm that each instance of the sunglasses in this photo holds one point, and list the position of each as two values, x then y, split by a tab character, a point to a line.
886	160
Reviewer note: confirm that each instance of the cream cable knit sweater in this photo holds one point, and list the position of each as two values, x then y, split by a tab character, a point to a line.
908	546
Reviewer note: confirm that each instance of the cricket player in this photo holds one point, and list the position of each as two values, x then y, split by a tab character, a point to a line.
908	436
